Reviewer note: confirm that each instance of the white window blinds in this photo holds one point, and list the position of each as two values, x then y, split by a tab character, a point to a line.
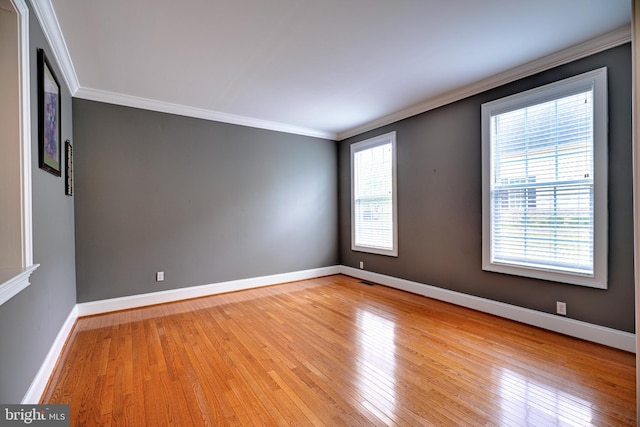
542	184
373	189
541	199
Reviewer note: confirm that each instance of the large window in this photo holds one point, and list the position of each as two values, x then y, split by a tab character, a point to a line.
374	226
545	182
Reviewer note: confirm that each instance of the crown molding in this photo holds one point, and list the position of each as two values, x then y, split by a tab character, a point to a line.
49	22
51	28
612	39
199	113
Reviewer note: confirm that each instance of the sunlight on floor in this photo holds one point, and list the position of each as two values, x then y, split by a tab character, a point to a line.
376	365
527	402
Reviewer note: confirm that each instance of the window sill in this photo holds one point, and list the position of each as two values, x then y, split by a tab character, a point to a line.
599	281
14	280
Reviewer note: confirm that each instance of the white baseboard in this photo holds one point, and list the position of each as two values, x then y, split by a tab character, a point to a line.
575	328
41	379
599	334
141	300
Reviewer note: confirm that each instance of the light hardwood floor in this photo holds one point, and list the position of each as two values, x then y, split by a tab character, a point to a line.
330	352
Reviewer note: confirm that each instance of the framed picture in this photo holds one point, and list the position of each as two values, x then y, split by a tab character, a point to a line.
68	168
49	109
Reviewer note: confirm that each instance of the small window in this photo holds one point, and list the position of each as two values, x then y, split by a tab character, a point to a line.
544	170
374	226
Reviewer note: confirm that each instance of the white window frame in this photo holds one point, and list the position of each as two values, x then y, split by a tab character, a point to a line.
16	193
596	79
365	145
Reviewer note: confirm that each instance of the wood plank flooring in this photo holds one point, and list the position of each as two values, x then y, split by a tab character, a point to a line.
334	352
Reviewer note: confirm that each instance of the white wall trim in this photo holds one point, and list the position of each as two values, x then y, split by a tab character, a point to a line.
16	190
41	379
141	300
12	281
25	134
599	44
199	113
575	328
607	336
51	28
49	22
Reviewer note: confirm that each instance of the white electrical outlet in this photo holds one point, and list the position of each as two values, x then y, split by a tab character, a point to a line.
361	265
561	308
159	276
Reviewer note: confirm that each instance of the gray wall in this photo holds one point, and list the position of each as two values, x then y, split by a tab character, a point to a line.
440	213
205	202
208	202
30	321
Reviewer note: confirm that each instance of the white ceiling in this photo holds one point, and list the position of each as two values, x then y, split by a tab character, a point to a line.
329	68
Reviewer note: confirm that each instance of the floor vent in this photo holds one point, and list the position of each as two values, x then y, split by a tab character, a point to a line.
364	282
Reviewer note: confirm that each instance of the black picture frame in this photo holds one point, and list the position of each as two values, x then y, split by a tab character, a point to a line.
68	168
49	117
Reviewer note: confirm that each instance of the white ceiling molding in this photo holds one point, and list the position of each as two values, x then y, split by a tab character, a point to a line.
599	44
199	113
48	20
49	23
51	27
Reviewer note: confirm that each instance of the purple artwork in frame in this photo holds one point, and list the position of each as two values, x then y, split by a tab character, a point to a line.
49	109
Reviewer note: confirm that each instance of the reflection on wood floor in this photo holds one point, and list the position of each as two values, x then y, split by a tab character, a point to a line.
333	351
